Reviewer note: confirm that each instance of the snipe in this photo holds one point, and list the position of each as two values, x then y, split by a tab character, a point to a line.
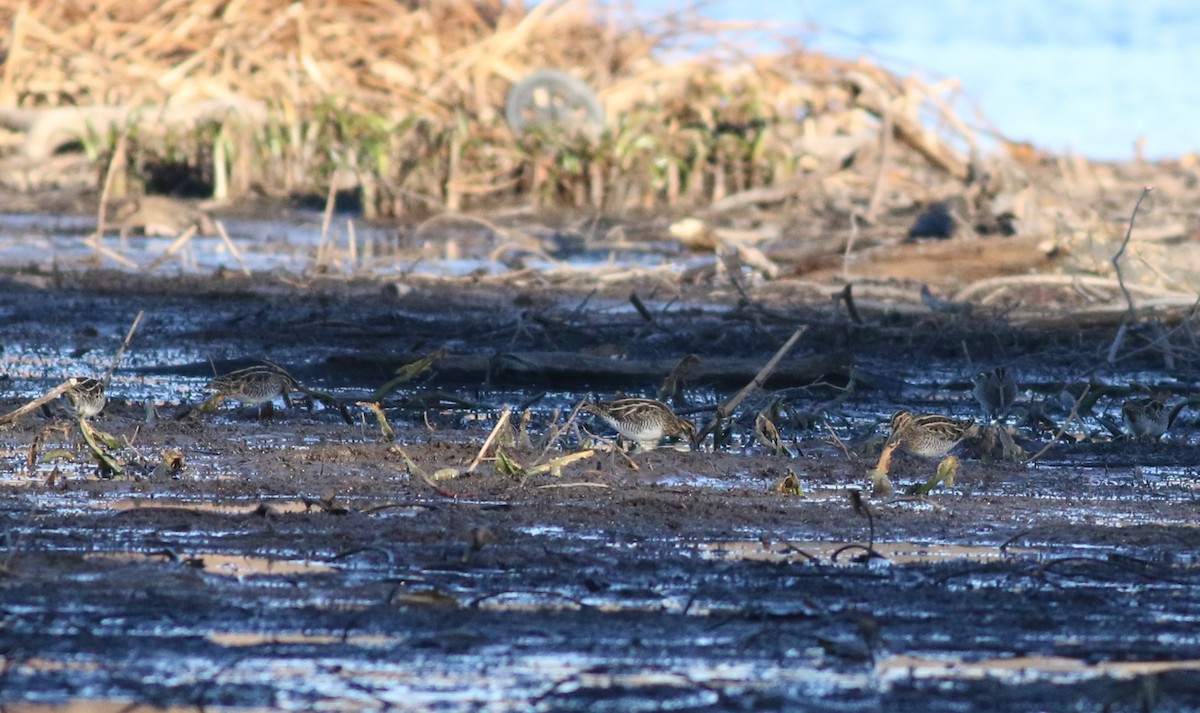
86	396
644	421
257	385
1146	419
995	390
926	435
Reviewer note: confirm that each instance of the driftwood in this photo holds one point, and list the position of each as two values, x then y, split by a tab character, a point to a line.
944	262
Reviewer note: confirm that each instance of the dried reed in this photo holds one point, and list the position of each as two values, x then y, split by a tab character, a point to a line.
407	97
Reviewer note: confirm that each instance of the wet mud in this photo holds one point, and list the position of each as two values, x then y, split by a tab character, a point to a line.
295	562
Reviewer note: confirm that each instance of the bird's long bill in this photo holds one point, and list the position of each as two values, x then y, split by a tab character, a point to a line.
885	458
881	484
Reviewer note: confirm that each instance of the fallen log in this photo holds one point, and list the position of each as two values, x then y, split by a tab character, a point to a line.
942	262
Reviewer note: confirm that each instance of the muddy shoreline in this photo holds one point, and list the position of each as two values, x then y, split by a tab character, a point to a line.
295	563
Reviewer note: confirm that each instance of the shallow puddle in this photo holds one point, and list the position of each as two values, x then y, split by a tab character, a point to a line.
852	554
227	508
1057	669
92	705
248	638
223	564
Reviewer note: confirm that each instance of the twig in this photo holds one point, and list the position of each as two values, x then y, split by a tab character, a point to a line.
616	450
849	246
64	387
326	219
325	398
416	470
407	373
555	431
1117	342
555	466
575	313
670	385
860	507
1163	340
585	484
1092	284
756	383
121	351
1116	259
385	428
502	423
886	132
847	296
116	162
836	440
1063	429
110	254
509	234
641	307
612	445
182	240
108	466
529	403
232	248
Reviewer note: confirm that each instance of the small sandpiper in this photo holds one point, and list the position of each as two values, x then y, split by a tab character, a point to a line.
644	421
86	396
995	390
1147	419
254	386
926	435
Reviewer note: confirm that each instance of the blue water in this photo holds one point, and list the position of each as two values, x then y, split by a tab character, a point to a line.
1074	75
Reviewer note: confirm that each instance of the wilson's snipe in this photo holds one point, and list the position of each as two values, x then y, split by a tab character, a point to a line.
259	386
995	390
644	421
254	386
926	435
86	396
1146	418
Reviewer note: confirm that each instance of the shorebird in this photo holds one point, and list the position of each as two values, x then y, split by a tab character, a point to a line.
995	390
86	396
926	435
644	421
255	385
1146	418
259	386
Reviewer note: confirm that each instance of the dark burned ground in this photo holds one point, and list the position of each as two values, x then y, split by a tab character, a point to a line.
295	563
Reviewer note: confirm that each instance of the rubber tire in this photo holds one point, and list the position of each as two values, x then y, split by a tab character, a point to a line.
570	97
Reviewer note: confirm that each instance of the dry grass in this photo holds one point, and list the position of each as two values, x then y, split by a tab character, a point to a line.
405	100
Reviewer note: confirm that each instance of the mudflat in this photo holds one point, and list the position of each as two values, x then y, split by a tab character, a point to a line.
297	562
